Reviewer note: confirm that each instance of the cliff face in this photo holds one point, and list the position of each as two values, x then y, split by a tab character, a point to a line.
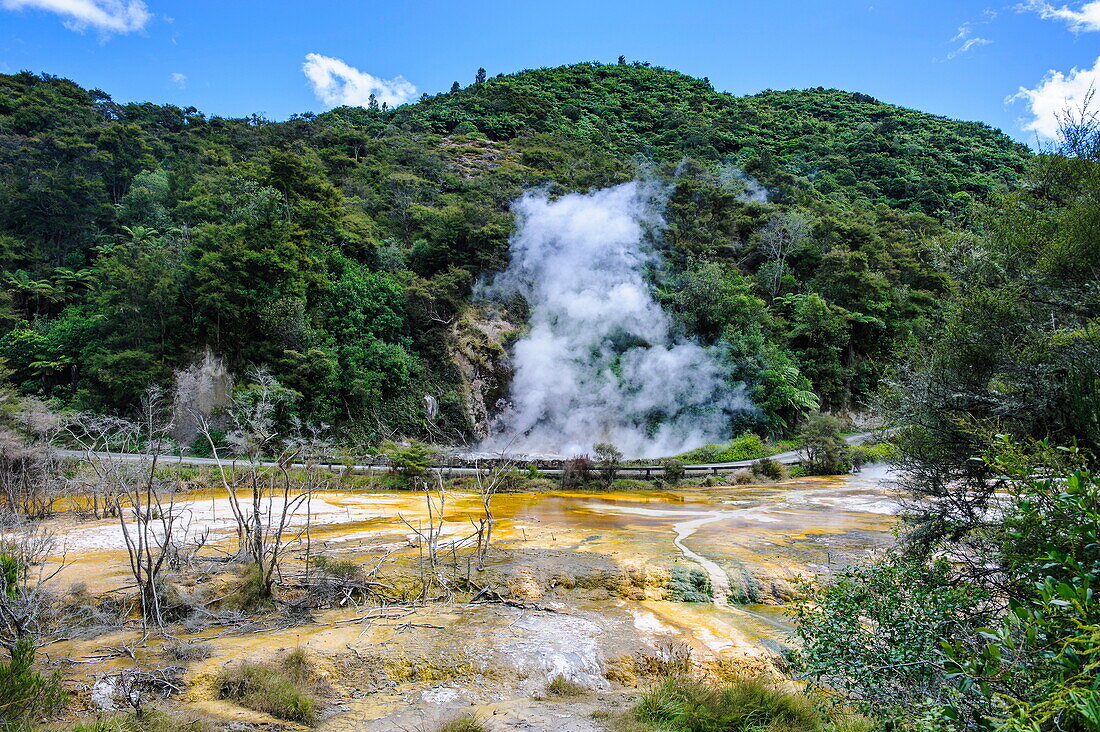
479	341
200	390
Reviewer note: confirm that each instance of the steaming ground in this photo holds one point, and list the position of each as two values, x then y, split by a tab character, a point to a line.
599	363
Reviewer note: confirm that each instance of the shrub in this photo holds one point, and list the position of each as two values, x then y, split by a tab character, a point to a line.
561	687
410	460
26	696
200	446
743	476
690	585
876	633
824	449
339	580
771	469
749	705
674	471
609	458
187	651
249	592
465	723
748	446
576	471
287	689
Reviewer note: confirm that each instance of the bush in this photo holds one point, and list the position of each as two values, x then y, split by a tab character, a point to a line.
465	723
748	446
249	592
338	580
576	471
200	446
561	687
26	696
824	449
674	471
690	585
609	458
876	633
770	469
187	651
287	689
880	452
410	460
742	706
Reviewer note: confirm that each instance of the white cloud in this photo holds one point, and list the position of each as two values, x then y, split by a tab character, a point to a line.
968	44
968	40
109	16
335	83
1056	93
1087	18
179	80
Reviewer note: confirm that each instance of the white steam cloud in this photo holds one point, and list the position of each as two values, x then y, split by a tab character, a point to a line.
599	363
336	83
747	187
109	16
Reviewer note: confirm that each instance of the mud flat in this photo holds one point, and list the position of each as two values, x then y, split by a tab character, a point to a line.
594	587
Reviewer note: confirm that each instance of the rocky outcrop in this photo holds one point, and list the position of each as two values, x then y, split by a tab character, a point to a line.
200	391
479	347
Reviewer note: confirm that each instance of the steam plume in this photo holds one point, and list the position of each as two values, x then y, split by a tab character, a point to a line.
599	363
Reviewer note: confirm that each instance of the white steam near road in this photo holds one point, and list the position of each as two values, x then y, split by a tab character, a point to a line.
599	363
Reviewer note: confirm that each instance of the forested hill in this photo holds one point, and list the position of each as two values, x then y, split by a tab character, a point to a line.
338	251
825	140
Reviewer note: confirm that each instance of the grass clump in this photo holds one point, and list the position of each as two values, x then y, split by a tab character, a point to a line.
748	705
150	720
248	593
187	651
560	686
286	689
465	723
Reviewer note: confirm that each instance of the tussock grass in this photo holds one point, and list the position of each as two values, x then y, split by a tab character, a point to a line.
149	721
247	593
748	705
465	723
287	688
560	686
187	651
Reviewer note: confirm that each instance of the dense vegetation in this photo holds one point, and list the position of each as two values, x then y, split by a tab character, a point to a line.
336	250
986	617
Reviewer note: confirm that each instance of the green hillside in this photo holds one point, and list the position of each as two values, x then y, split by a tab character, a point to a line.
337	250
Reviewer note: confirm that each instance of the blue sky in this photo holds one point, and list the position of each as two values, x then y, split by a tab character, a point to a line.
237	57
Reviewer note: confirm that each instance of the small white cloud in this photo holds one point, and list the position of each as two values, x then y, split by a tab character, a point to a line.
109	16
968	44
335	83
179	80
1055	95
1085	18
966	35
